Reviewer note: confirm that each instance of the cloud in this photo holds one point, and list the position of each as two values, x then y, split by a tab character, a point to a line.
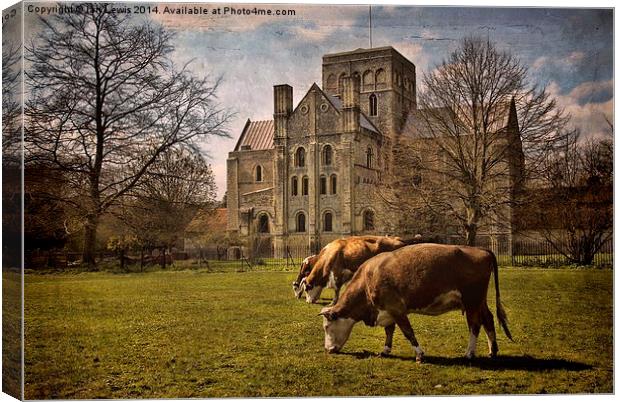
574	58
587	115
568	62
593	92
540	62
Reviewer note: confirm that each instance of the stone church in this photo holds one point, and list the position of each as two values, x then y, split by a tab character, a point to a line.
310	175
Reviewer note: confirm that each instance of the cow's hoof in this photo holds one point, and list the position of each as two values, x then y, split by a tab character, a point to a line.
386	351
419	354
493	355
470	356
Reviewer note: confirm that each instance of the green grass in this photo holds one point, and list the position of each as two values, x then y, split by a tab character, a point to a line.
11	333
197	334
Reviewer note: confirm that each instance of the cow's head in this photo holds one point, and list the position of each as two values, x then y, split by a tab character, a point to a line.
304	271
337	330
313	292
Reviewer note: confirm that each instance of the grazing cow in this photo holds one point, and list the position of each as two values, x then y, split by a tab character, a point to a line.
338	261
304	270
429	279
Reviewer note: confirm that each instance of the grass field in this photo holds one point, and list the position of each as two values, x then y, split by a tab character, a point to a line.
196	334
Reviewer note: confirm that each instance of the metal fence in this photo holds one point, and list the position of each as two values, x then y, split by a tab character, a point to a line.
537	252
289	256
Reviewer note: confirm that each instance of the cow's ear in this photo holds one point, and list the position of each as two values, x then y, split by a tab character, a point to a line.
329	314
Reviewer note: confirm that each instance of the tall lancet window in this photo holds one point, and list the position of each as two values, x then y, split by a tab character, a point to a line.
372	105
300	157
369	158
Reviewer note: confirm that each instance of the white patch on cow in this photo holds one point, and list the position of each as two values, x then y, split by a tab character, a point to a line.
490	340
307	260
384	319
443	303
471	348
331	282
337	333
300	289
313	294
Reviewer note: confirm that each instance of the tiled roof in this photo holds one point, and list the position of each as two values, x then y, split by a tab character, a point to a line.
417	126
257	135
208	221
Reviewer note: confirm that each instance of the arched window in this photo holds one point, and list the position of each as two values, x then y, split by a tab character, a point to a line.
369	220
301	222
323	185
368	79
304	186
334	183
294	185
327	222
369	157
327	155
259	173
300	157
263	223
372	105
380	76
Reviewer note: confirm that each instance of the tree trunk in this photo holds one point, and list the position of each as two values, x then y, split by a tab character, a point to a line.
471	227
90	242
470	234
122	258
142	259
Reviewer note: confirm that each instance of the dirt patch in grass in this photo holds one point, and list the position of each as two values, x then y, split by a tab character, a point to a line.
197	334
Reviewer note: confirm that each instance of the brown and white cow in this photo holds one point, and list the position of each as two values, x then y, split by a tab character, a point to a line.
429	279
304	270
338	261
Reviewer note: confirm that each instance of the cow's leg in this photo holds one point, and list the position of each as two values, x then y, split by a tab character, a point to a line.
389	336
403	323
336	296
473	322
489	328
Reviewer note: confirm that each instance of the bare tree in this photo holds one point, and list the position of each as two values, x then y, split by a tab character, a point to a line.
168	197
574	205
481	131
11	153
11	104
106	102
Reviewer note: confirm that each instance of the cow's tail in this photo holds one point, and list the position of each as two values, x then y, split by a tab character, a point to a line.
501	314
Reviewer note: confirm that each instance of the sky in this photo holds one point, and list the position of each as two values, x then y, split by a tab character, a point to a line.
568	50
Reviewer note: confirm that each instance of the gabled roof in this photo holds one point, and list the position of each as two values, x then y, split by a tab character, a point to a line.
257	135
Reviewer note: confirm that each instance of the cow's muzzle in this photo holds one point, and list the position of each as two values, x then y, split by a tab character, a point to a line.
298	290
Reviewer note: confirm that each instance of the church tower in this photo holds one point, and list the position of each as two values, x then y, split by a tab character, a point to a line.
387	82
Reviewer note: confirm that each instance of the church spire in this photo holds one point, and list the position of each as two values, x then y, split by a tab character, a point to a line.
513	121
